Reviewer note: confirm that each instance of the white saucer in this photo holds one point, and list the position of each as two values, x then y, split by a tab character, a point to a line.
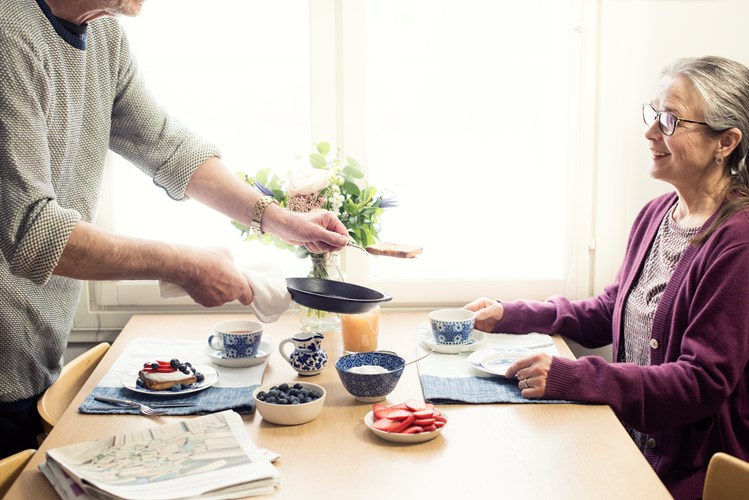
427	340
217	357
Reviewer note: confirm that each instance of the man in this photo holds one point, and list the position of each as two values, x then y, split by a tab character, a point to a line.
69	91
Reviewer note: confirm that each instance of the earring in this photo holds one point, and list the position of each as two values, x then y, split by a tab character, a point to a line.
719	160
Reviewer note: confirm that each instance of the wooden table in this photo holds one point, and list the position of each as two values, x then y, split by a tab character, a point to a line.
497	451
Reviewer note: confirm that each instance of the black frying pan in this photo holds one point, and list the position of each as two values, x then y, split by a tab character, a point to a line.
334	296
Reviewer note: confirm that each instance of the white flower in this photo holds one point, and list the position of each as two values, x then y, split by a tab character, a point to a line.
308	181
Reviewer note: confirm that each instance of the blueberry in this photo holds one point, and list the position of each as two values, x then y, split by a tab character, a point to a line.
261	395
176	388
199	376
283	387
294	400
184	370
174	363
270	399
274	392
186	386
139	382
298	386
154	366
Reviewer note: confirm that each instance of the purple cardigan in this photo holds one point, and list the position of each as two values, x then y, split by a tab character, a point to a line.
694	399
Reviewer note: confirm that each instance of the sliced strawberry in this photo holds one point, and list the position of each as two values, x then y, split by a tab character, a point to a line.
439	423
160	369
430	428
414	429
387	425
426	413
383	411
400	415
424	422
404	424
415	405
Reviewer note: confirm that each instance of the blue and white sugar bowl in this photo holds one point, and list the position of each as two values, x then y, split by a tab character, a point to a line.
308	356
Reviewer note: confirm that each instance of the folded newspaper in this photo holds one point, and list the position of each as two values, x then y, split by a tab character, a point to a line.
205	457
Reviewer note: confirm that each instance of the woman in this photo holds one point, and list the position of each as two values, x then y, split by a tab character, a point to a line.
678	311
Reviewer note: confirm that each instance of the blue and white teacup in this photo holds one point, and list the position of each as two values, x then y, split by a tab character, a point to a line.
236	339
452	326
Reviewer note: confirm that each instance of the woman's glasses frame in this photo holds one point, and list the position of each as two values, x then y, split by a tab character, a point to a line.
667	122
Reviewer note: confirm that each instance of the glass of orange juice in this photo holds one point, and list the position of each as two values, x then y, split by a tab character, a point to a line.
360	331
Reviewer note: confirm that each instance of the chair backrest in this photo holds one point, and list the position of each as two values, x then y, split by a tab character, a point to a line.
59	395
727	478
11	467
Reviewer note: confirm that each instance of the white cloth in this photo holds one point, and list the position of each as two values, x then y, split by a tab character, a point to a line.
271	297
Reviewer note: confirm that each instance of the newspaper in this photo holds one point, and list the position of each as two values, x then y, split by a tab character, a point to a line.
205	457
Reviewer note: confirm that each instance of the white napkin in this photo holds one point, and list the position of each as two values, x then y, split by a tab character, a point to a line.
271	297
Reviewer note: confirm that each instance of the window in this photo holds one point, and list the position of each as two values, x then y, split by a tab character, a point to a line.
468	110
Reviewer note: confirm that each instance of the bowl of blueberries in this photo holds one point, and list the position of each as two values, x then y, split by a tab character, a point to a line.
290	403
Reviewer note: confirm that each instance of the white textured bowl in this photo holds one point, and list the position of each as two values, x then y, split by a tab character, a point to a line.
290	414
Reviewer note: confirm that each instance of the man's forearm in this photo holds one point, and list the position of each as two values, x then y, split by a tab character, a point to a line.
92	253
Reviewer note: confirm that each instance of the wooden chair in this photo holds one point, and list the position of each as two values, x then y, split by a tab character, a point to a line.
59	395
11	467
727	478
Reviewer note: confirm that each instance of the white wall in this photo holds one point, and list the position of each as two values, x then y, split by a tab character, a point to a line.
636	38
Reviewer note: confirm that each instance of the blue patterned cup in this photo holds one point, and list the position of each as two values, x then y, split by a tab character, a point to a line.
452	326
237	339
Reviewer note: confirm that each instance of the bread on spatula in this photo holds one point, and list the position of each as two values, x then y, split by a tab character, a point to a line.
394	250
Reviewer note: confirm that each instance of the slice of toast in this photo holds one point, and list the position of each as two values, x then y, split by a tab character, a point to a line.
394	250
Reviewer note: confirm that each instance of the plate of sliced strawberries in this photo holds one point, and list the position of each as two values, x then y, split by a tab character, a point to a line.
410	422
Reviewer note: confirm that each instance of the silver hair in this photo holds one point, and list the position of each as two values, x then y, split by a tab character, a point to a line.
723	85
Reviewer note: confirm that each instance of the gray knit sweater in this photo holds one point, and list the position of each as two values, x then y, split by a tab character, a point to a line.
64	101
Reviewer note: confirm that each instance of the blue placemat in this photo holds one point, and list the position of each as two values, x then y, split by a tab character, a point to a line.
451	378
232	391
210	400
439	390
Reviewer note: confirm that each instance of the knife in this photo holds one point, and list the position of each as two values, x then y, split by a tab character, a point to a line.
128	402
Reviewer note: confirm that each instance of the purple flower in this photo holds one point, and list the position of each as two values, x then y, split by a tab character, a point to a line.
263	189
390	202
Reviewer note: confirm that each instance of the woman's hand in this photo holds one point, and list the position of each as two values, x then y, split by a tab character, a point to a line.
531	373
488	313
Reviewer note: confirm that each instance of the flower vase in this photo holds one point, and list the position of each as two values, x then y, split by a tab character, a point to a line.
325	266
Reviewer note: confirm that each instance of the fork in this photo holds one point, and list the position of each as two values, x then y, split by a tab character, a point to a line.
144	409
147	410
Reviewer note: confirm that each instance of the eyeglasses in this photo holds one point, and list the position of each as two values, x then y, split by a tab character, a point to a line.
667	122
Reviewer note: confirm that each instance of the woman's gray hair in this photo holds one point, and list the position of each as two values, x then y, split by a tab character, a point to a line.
723	85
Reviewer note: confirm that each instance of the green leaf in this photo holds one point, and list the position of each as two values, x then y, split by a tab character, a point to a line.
317	161
323	148
352	172
349	188
352	162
